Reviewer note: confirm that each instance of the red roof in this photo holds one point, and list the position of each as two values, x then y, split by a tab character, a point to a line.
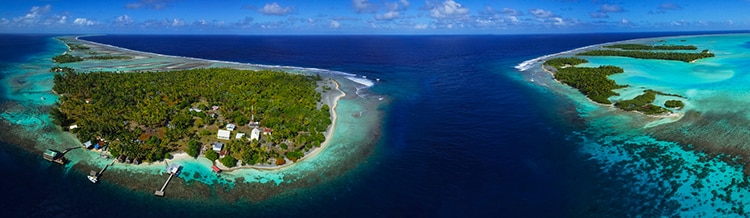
216	169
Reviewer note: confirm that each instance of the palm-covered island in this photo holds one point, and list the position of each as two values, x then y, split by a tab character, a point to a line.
257	117
595	84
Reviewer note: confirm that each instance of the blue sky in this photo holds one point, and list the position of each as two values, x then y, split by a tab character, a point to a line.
369	16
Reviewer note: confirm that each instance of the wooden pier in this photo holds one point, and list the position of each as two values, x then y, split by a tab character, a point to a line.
94	176
173	170
160	193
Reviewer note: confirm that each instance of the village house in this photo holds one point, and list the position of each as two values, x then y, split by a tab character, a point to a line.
218	146
223	134
231	127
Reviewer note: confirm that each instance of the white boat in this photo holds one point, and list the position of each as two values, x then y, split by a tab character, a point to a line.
93	179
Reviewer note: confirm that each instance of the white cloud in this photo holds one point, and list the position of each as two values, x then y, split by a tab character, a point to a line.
405	3
275	9
83	22
559	21
124	20
511	12
541	13
177	22
448	9
34	15
625	21
334	24
363	6
390	15
421	26
200	22
55	20
514	19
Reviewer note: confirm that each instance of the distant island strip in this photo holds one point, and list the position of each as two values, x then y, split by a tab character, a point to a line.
594	83
68	58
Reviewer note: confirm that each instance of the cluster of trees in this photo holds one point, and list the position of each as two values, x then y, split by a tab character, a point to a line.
642	103
592	82
124	107
674	104
66	58
565	61
651	47
73	46
674	56
109	57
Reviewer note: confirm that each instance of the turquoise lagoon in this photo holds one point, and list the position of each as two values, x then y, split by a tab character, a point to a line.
695	158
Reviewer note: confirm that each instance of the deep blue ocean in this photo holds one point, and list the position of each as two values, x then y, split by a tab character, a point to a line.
464	134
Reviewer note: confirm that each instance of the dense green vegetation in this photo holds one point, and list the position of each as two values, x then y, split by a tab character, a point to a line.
77	46
674	104
592	82
66	58
212	155
675	56
109	57
193	148
565	61
147	115
642	103
652	47
228	161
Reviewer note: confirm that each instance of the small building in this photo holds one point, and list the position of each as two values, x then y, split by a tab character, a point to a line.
87	144
223	134
267	131
214	107
195	110
50	154
239	135
218	146
231	127
72	127
216	169
255	134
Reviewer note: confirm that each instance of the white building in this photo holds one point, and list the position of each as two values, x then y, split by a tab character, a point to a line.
231	127
239	135
255	134
223	134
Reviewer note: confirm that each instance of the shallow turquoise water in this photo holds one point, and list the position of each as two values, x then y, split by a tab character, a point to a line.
717	99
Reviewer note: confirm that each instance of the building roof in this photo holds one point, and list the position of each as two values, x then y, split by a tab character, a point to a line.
231	127
239	135
218	146
223	134
87	144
